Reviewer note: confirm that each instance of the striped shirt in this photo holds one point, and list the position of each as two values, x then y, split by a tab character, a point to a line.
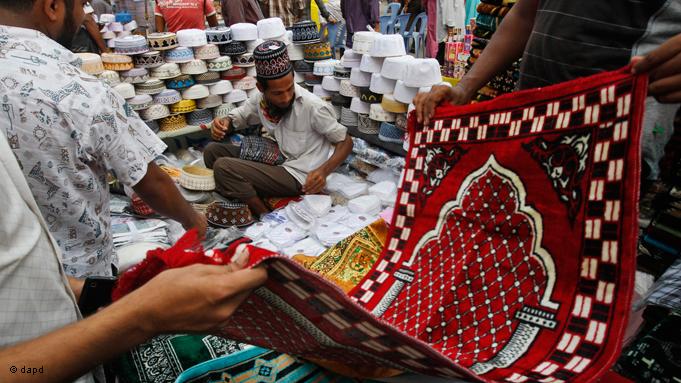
573	39
290	11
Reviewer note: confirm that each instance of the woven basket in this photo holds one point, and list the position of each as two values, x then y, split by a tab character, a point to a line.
197	178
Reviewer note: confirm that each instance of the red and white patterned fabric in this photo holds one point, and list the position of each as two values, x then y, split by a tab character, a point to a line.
512	251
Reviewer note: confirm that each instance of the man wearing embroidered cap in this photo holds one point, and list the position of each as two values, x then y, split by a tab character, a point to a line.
304	127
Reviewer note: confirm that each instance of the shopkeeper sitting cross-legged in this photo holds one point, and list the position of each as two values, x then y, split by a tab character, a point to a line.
305	128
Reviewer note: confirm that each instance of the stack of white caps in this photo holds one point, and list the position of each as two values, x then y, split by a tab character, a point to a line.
388	46
244	32
271	29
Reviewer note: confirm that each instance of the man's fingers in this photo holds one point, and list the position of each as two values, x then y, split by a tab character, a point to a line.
667	68
665	85
242	280
418	103
670	98
658	56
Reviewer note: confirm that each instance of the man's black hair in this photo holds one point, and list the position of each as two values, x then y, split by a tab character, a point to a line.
17	5
26	5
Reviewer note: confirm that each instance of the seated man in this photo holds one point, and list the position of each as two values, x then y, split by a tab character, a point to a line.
303	125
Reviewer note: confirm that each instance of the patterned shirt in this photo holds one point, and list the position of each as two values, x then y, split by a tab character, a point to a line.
67	129
290	11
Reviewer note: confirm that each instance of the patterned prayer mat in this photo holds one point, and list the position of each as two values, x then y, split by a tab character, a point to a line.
511	254
164	357
259	365
348	263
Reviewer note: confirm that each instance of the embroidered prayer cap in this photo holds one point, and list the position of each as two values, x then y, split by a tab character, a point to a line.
271	60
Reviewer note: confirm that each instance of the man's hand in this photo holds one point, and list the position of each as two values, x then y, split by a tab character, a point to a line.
197	299
331	19
663	66
198	221
316	180
427	102
221	127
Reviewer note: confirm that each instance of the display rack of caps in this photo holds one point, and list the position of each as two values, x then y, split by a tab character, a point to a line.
220	64
162	41
117	62
168	97
207	52
91	63
317	51
221	87
200	117
194	67
191	38
271	29
135	76
234	97
219	35
305	32
244	32
209	102
183	106
235	73
179	55
152	87
363	41
149	60
195	92
166	71
125	90
172	123
155	112
115	27
180	82
233	48
245	60
223	110
110	77
207	78
131	45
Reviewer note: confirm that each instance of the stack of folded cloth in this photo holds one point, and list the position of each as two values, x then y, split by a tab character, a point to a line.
490	15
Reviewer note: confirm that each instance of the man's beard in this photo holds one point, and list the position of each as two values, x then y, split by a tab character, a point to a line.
68	31
278	112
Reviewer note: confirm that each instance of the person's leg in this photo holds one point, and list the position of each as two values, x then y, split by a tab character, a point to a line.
217	150
658	128
250	181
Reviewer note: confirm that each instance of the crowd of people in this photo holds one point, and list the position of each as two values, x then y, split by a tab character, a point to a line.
62	132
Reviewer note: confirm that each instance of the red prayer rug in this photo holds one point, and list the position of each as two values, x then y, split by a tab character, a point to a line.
511	254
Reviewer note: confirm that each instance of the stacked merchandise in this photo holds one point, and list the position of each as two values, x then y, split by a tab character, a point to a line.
314	224
313	61
388	80
490	15
179	82
116	26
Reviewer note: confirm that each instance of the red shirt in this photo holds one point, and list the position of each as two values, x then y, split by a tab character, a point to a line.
184	14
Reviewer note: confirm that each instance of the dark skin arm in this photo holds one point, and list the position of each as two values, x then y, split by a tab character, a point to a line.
212	20
160	24
160	192
505	47
663	66
93	30
316	179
